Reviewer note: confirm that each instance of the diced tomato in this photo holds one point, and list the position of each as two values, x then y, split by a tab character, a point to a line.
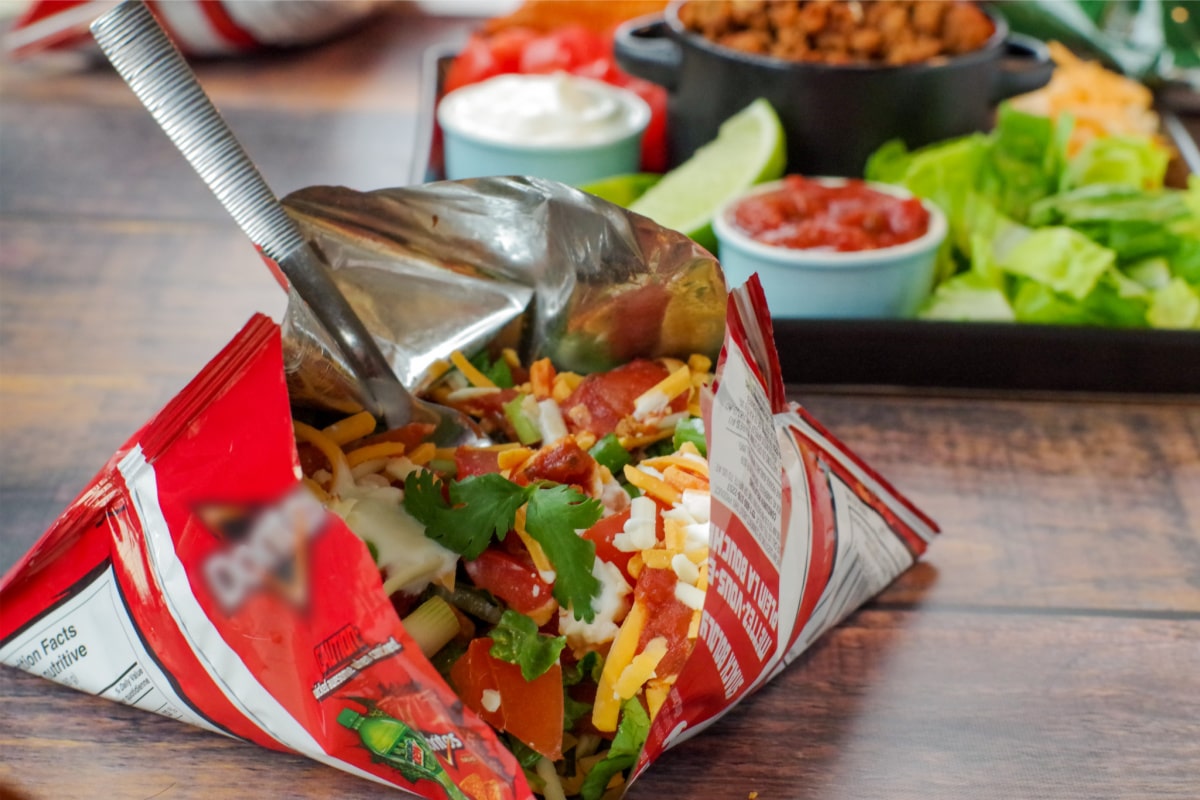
532	711
515	581
603	399
473	64
668	617
602	533
508	45
470	461
600	69
562	462
562	49
654	141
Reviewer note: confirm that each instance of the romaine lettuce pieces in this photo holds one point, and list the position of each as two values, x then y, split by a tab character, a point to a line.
1037	236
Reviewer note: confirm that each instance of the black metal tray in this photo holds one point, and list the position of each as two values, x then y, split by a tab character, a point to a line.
930	355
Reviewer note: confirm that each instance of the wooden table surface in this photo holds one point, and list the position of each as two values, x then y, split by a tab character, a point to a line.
1048	647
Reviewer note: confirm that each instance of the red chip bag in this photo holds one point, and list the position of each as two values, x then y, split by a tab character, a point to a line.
198	27
198	578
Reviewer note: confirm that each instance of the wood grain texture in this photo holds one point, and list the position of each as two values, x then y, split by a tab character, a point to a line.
1048	647
892	705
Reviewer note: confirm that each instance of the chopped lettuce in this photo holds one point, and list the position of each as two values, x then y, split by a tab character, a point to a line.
516	639
626	746
1061	259
1129	160
968	298
1037	236
1176	305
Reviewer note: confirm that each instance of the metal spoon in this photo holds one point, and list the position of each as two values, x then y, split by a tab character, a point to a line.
149	62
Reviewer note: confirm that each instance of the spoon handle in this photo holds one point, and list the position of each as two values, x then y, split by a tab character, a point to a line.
147	59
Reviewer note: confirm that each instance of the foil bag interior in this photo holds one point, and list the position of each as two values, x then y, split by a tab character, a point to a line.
493	262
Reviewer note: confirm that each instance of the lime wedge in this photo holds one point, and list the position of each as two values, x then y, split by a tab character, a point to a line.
750	148
622	189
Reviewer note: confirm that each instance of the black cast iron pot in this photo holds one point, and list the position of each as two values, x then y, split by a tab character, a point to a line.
834	116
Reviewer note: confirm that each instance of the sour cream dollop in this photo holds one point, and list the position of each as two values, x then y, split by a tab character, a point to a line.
530	111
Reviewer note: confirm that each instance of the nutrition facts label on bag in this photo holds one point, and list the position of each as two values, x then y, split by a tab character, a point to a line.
748	461
89	643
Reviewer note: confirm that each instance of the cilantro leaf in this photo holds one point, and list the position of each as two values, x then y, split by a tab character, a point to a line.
551	519
517	641
626	746
526	756
480	506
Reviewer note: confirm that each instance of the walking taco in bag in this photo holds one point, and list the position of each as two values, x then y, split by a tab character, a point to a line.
653	534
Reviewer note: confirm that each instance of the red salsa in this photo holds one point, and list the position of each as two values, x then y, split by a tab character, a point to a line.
806	214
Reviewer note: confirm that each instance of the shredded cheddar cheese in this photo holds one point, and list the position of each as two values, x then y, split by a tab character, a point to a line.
641	668
657	559
423	453
1103	103
683	480
679	462
541	378
470	372
342	481
620	655
511	459
656	399
535	549
654	487
351	428
374	451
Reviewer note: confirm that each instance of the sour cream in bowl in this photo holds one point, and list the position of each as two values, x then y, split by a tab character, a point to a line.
832	247
560	127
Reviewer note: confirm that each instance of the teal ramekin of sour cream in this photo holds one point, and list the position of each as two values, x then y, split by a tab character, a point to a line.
559	127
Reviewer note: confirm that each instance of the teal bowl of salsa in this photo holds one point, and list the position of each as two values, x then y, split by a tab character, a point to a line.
832	247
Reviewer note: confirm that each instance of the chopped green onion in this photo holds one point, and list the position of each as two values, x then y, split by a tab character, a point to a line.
608	452
444	466
526	428
475	602
432	625
691	430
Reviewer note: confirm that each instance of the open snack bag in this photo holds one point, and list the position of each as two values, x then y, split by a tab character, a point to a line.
654	533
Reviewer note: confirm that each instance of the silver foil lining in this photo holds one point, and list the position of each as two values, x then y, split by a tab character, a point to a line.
489	262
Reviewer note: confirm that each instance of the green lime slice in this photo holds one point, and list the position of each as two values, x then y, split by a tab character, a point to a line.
623	189
750	148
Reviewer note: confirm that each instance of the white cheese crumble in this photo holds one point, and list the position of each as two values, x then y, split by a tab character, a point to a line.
671	420
611	604
684	569
695	536
689	595
612	495
490	701
697	504
400	468
650	404
550	421
410	559
470	393
640	531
